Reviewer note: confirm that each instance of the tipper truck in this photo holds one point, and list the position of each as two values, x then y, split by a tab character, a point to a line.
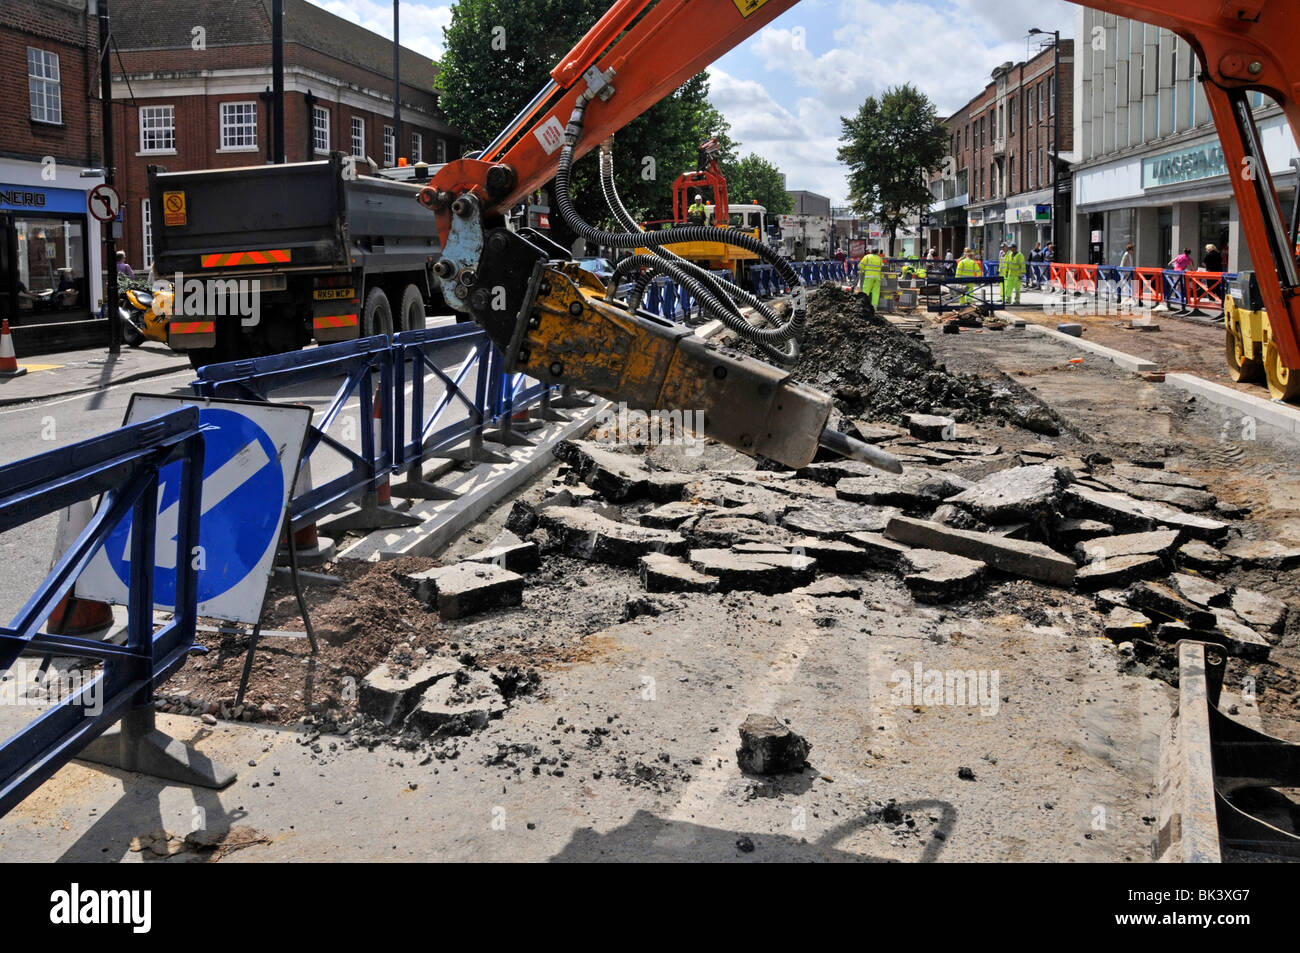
268	258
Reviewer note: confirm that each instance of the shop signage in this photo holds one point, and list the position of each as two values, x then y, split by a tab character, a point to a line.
25	198
1185	165
1042	213
975	218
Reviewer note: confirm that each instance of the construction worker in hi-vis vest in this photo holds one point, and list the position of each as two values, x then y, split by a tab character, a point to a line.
1015	274
968	267
873	267
697	213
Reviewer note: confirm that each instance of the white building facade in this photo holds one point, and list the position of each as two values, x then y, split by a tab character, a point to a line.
1149	169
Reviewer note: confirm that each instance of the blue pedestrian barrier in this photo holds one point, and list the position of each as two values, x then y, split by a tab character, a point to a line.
122	468
427	423
366	368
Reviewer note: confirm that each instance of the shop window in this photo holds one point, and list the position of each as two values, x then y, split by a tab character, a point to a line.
51	266
157	129
239	125
43	85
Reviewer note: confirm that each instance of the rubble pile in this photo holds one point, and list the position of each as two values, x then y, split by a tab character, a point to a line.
1147	544
871	367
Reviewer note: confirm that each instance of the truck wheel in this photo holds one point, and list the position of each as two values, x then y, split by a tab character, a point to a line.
377	318
412	311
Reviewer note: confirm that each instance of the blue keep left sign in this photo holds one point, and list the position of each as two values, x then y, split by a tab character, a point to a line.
250	460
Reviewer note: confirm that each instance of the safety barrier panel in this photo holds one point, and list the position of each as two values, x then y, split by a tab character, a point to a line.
366	366
1149	285
1206	289
123	467
429	430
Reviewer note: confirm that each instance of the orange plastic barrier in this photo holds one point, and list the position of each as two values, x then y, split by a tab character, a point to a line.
1149	285
1205	288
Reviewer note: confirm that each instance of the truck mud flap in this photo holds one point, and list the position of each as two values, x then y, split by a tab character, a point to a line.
1211	764
188	335
328	328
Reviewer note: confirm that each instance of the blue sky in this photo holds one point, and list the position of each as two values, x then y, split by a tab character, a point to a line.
784	89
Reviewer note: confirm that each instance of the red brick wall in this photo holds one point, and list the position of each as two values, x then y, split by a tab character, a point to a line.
198	122
73	36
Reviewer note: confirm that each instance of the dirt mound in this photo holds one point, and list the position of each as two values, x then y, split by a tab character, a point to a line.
872	369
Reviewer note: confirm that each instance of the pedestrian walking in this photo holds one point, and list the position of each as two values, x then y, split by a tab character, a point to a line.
1014	269
968	267
122	267
1213	260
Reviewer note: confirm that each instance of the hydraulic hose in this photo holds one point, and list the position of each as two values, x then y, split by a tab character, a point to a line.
690	233
721	303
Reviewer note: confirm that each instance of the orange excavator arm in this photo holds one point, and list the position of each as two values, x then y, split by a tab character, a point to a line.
641	51
551	324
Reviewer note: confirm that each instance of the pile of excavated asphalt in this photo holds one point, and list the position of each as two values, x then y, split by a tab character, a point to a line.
874	369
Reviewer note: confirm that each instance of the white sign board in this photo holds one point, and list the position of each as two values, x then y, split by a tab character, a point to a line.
250	463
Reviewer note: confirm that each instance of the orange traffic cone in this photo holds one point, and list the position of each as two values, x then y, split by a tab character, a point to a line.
383	492
309	546
73	616
8	360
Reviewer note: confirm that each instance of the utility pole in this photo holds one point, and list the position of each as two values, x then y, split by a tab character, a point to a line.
397	88
277	79
110	241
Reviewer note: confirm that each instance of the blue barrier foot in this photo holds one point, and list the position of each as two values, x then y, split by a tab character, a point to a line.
372	515
136	744
416	487
473	453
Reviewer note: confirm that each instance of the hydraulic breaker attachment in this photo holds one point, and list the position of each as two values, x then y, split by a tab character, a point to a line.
551	320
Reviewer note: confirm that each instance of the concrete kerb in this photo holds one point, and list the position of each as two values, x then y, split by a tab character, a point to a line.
1274	413
479	490
1126	361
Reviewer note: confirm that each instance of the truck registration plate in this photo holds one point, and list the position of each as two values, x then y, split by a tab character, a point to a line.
329	294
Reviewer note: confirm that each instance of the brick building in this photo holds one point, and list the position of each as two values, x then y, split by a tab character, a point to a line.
195	94
1000	144
49	245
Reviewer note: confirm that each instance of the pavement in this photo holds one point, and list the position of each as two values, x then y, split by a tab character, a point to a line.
79	372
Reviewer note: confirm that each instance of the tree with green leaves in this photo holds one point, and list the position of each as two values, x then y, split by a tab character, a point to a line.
498	53
891	147
755	180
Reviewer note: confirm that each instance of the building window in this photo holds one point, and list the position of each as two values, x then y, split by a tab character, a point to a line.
417	148
157	129
1052	83
441	155
993	182
320	129
1042	179
146	233
1042	103
390	148
43	86
1029	170
358	137
239	125
1031	101
1011	116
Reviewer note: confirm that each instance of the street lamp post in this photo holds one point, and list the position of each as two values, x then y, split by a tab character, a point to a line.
1055	100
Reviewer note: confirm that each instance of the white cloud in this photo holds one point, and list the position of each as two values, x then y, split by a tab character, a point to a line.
946	48
801	143
420	26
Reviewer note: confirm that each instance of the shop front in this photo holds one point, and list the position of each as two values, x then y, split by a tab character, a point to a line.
48	254
1171	197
